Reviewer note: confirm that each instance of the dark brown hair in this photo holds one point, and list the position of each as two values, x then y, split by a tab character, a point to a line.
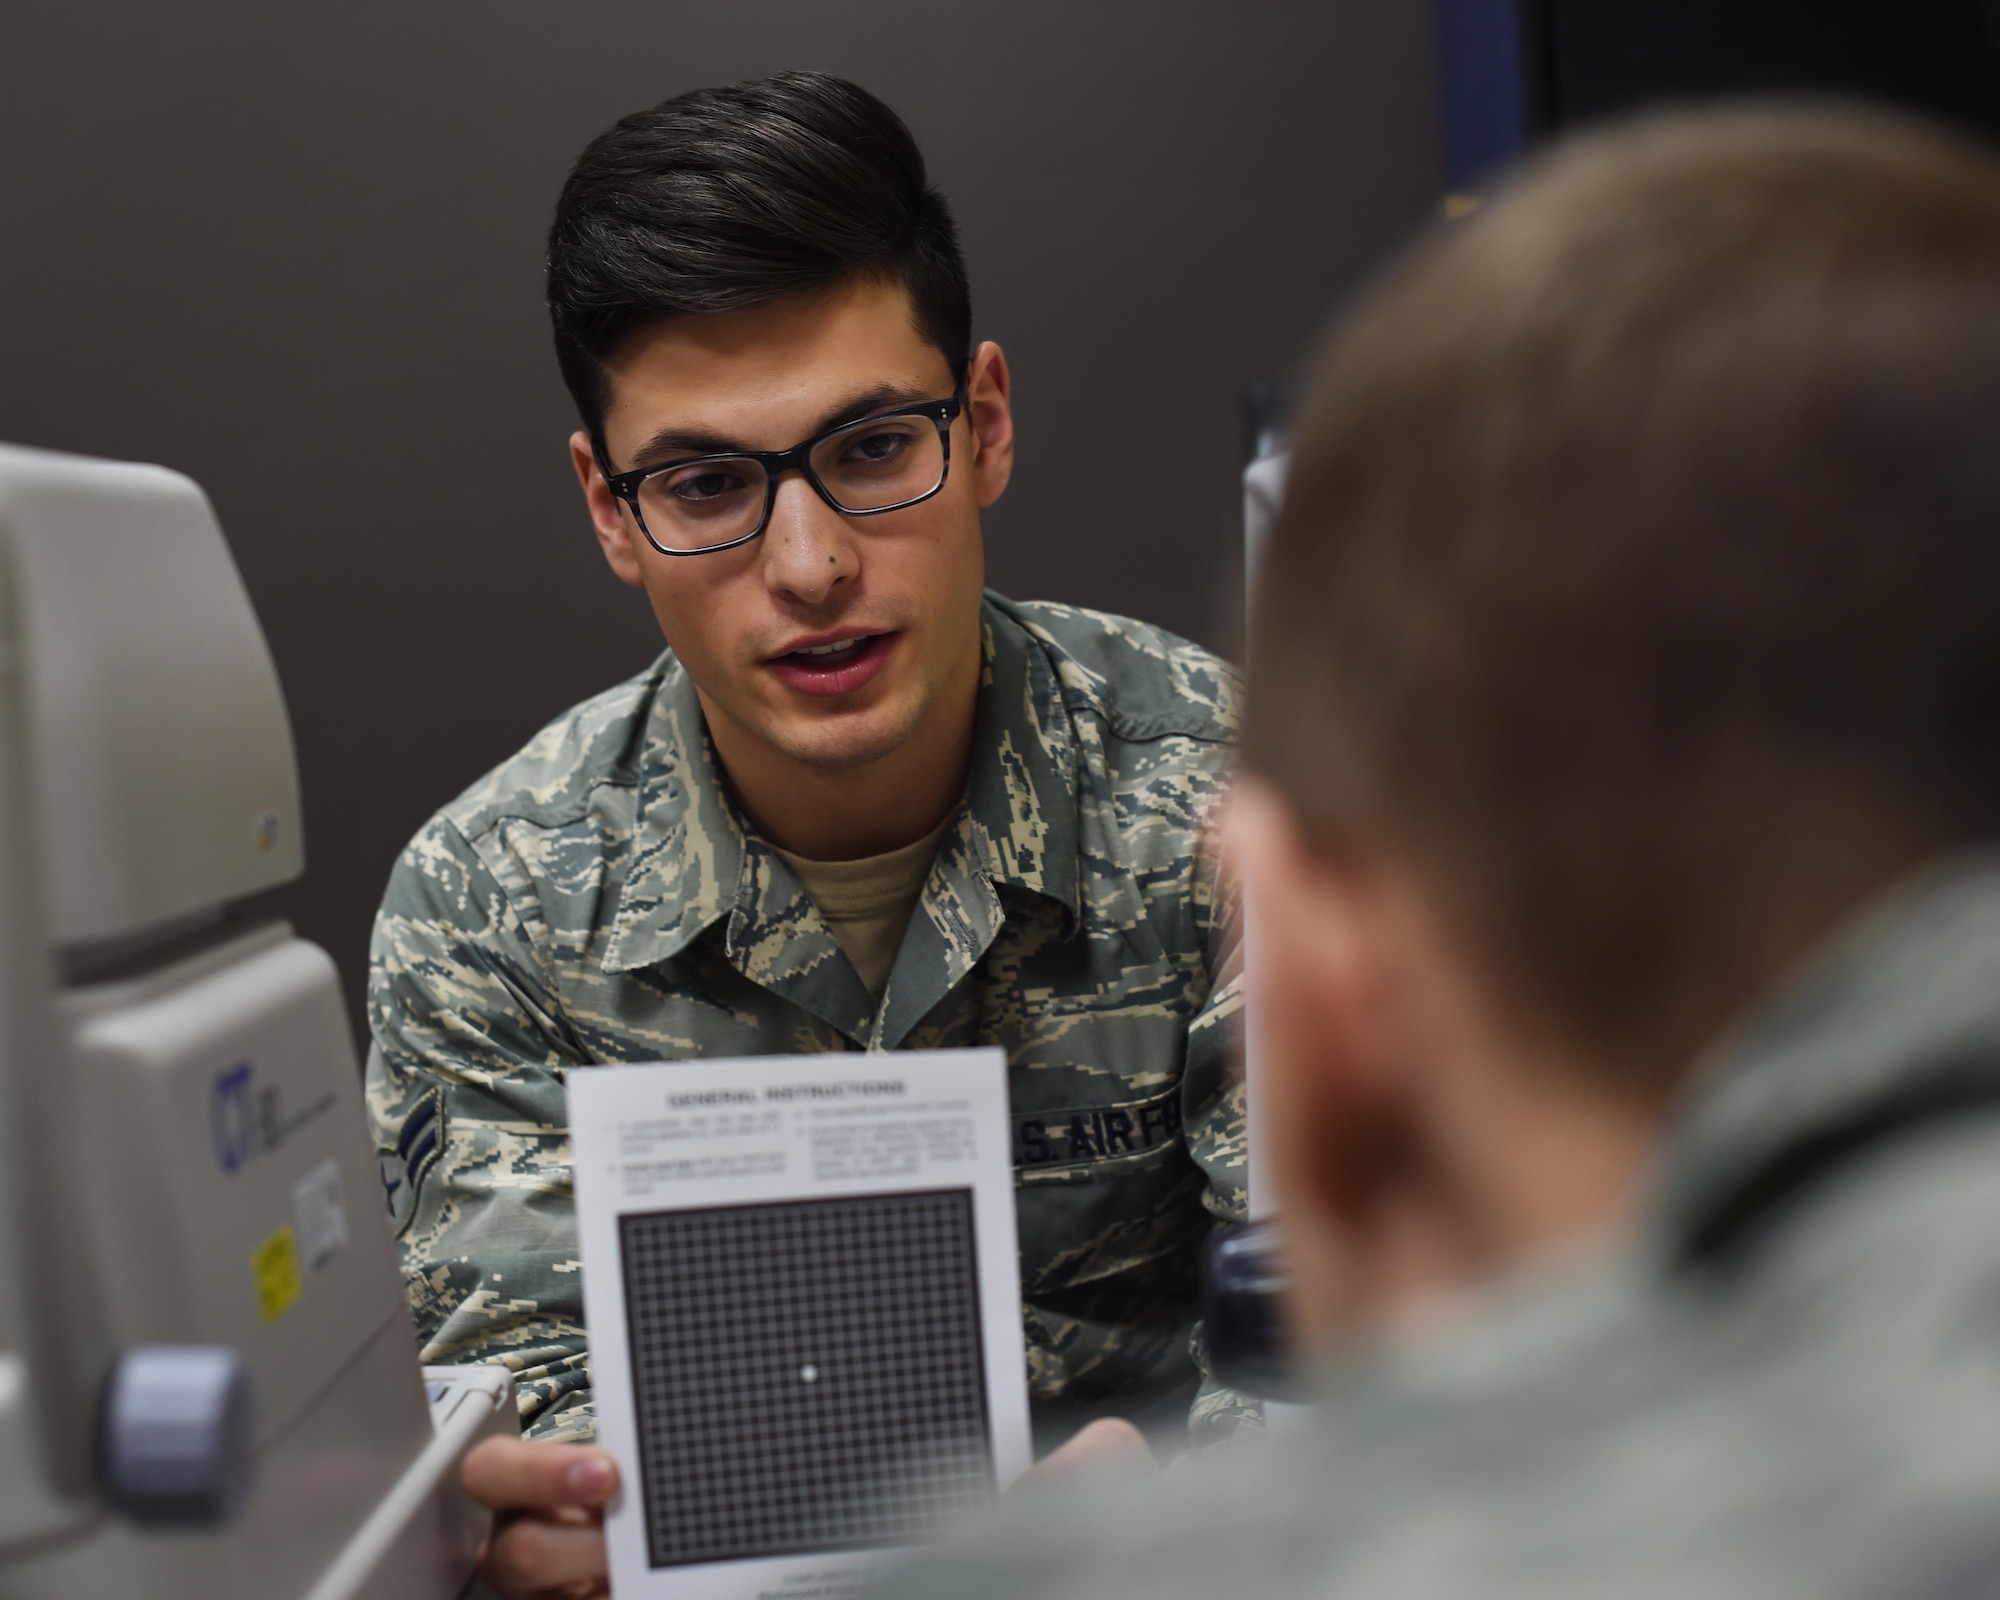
1638	580
728	198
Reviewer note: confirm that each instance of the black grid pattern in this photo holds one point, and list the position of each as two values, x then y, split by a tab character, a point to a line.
808	1374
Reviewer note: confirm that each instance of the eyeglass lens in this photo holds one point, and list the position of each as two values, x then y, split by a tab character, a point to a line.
868	466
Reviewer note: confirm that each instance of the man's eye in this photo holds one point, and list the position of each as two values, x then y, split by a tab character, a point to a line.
875	449
700	487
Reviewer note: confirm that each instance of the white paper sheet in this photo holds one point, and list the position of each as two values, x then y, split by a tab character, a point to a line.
802	1288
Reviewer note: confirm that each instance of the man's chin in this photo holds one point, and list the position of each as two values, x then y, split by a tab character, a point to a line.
840	742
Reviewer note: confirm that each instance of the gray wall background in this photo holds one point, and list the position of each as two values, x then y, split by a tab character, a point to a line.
295	252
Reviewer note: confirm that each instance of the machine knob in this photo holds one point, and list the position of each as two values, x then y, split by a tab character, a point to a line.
175	1440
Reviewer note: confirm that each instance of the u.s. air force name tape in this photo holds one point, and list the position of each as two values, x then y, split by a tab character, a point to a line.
1096	1133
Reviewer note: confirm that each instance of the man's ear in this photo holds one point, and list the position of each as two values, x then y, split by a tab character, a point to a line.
608	516
1321	970
990	411
1332	1064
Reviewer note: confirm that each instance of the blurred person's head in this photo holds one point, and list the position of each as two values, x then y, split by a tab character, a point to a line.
1633	616
745	268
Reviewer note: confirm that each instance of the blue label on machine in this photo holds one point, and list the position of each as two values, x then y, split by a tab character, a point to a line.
246	1120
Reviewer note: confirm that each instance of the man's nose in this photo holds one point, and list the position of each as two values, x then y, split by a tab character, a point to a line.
809	548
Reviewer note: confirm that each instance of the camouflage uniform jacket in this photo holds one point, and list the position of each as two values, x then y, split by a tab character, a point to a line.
598	899
1782	1383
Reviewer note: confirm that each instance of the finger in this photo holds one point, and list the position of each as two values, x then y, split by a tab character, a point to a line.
529	1556
524	1475
1109	1442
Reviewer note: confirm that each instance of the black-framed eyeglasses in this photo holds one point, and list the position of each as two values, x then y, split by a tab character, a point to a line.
861	469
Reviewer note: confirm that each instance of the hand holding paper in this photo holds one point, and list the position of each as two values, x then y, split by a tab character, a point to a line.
547	1502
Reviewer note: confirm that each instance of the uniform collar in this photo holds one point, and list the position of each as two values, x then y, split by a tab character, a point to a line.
1022	798
1895	1024
688	848
694	862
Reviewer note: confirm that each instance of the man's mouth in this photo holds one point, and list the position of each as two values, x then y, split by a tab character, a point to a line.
839	666
828	655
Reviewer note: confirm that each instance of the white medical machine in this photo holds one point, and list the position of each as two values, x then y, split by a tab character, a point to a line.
208	1381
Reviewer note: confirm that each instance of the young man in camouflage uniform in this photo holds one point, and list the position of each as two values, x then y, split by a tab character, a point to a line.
1620	842
860	804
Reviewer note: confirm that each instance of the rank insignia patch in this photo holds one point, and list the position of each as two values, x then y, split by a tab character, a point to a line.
418	1147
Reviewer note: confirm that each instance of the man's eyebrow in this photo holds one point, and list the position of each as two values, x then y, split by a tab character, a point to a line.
680	441
883	397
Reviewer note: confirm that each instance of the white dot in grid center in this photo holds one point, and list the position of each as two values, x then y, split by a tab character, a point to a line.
808	1373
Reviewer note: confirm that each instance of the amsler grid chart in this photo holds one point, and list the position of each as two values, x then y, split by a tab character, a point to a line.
808	1374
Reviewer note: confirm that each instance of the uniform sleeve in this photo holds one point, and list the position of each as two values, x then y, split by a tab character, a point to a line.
466	1102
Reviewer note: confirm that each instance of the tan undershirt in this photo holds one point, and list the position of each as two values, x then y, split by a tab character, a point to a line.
867	903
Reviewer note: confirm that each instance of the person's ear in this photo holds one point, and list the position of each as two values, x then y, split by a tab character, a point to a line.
1331	1076
608	516
991	418
1322	975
